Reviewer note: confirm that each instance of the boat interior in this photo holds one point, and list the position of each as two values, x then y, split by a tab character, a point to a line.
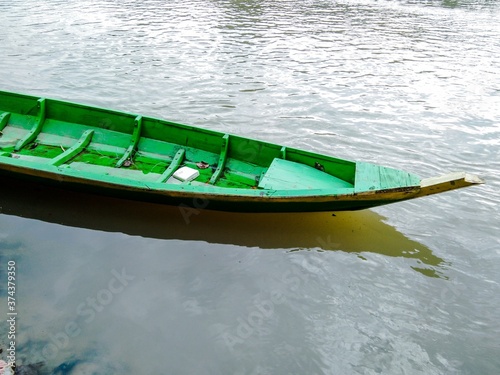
104	142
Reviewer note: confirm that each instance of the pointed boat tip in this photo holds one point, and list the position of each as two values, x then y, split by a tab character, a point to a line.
462	178
451	181
473	179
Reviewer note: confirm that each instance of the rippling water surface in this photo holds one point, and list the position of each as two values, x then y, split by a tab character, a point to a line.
108	286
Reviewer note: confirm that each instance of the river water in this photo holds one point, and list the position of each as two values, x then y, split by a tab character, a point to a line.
109	286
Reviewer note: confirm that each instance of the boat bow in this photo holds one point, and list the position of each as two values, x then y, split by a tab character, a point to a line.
450	181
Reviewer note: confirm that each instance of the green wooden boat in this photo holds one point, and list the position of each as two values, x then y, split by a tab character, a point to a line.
136	157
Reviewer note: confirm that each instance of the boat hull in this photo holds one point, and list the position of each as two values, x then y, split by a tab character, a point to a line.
142	158
187	201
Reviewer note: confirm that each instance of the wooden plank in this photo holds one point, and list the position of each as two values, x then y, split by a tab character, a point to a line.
74	150
4	120
371	177
222	160
174	164
451	181
35	130
288	175
134	141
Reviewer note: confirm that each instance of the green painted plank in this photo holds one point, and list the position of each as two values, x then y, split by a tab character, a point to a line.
371	177
133	142
101	172
35	130
4	120
340	168
222	160
176	162
288	175
74	150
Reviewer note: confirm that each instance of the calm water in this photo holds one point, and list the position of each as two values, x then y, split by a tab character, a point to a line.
115	287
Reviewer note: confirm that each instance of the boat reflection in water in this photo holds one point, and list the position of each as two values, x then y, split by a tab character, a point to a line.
357	232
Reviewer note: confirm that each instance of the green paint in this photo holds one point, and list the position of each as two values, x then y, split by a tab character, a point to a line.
89	148
133	142
285	175
35	130
370	177
78	147
222	160
176	162
4	119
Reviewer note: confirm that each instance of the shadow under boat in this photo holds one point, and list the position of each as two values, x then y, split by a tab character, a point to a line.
357	232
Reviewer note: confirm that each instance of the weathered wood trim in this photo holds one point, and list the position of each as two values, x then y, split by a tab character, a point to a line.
451	181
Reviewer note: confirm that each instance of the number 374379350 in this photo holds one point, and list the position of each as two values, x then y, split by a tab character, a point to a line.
11	285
